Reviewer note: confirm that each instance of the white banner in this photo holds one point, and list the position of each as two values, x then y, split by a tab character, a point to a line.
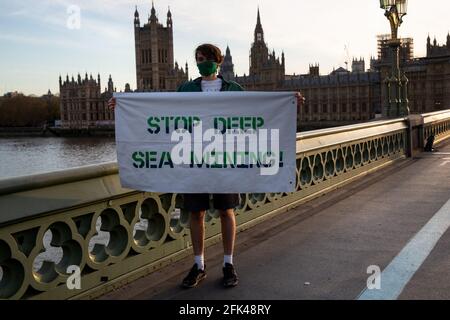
221	142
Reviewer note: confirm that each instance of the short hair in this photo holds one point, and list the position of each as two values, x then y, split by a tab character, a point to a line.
211	52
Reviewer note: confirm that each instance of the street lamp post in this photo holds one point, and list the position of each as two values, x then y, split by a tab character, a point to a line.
396	104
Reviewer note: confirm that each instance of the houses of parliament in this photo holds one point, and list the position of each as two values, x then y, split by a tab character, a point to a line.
342	96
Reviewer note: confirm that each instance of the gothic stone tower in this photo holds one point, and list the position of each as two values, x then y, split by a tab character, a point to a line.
264	66
227	67
155	69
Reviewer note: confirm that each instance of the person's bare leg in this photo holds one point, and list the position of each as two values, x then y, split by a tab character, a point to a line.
197	272
228	222
197	225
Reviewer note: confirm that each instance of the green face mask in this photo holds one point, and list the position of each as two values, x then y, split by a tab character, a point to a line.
207	68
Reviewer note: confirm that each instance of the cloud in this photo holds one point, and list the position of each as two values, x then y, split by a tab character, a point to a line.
54	14
307	31
40	41
20	12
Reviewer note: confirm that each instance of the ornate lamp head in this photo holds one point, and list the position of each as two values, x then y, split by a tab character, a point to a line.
402	6
386	4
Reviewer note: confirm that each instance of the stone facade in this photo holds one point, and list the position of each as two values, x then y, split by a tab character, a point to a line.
429	84
83	105
435	50
155	66
266	72
429	77
342	95
355	95
339	96
227	67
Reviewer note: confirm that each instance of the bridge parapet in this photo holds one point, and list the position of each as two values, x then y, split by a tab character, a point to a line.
436	124
83	217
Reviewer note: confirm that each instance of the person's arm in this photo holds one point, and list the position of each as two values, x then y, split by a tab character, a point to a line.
112	103
181	87
239	87
300	99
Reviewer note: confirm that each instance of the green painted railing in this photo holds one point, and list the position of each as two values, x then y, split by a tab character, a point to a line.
83	217
437	124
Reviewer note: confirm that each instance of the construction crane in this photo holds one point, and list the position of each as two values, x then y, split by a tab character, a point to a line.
347	56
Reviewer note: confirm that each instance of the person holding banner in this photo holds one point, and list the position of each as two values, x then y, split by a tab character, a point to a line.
209	58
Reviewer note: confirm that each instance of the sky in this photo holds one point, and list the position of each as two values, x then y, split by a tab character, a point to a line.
41	39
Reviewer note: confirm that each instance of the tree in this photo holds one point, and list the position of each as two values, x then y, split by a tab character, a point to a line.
22	111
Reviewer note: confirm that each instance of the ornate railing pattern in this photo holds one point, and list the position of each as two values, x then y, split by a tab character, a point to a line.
82	217
437	124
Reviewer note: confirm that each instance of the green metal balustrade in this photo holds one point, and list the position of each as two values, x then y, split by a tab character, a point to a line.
437	124
83	217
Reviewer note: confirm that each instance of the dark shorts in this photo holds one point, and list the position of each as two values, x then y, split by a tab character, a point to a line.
201	201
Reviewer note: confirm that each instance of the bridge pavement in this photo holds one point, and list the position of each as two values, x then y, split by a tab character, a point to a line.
322	249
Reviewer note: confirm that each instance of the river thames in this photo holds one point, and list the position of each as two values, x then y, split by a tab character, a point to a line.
30	155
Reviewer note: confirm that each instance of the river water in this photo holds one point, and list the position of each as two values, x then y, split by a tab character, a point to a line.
30	155
24	155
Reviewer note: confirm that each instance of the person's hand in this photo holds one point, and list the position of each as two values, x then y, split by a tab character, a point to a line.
300	99
112	103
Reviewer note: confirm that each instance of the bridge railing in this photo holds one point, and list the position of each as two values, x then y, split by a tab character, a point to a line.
437	124
55	224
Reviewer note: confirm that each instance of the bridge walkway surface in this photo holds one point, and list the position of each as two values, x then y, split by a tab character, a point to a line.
395	219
